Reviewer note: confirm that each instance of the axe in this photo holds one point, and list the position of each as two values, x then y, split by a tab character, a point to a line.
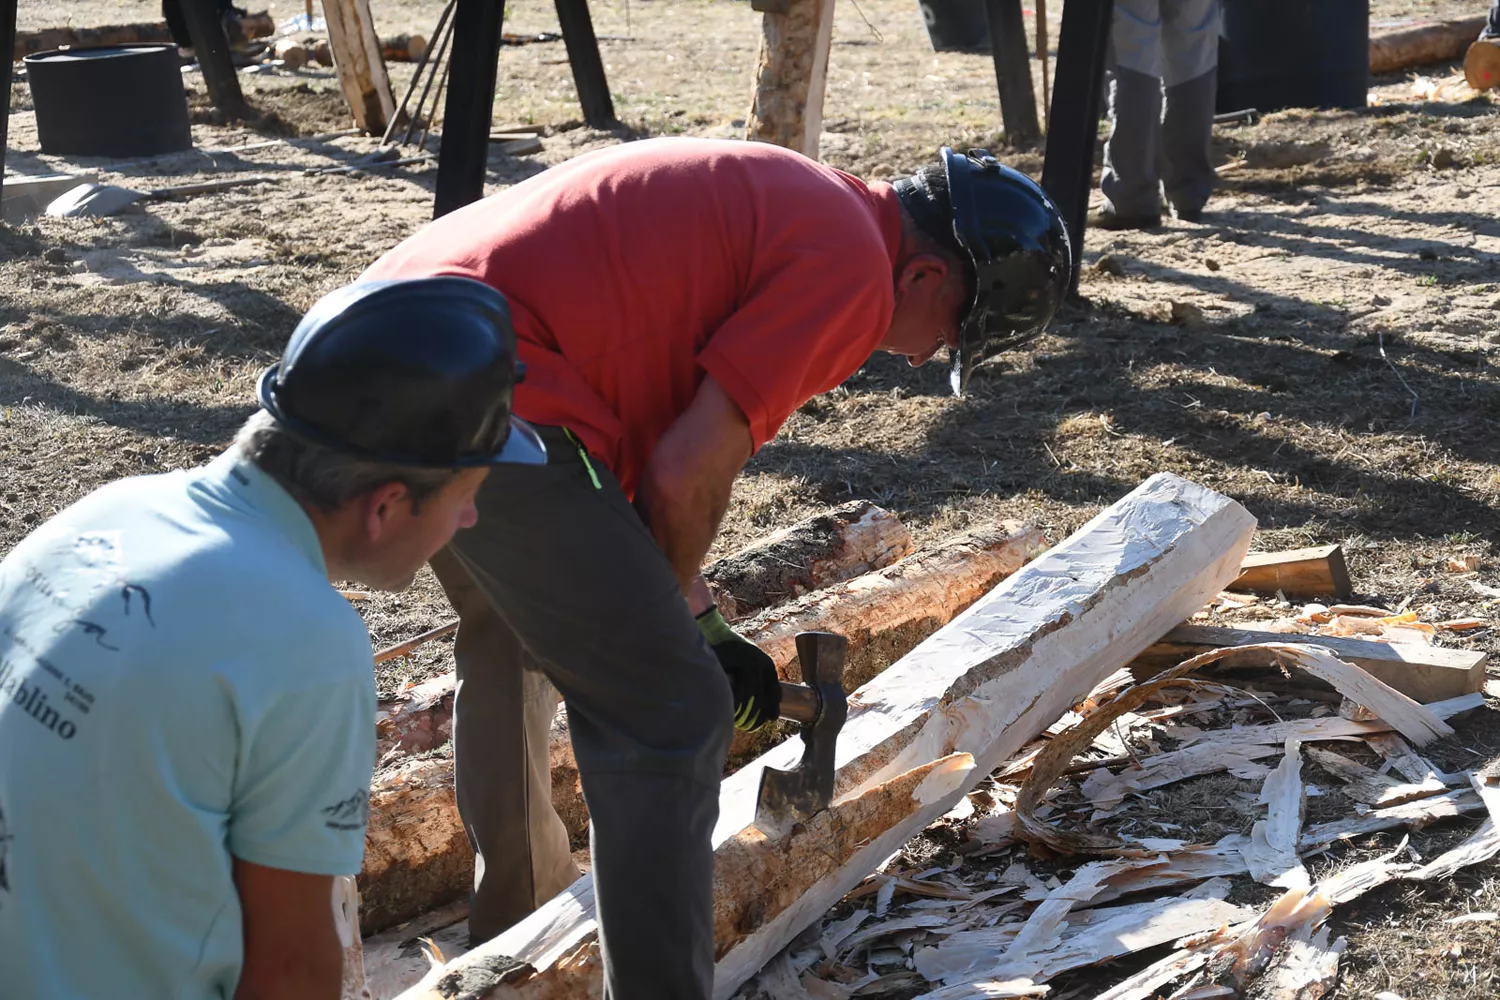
819	704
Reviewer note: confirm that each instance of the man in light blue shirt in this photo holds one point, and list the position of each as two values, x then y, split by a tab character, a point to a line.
187	705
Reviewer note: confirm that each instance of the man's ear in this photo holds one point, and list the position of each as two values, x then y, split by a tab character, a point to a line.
919	268
382	506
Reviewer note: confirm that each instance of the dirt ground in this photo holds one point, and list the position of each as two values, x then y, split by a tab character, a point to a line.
1323	346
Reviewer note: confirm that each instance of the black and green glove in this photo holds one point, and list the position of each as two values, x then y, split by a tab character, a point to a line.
752	674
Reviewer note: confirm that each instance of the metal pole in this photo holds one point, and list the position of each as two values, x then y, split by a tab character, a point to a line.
211	49
1073	130
471	98
1012	71
588	66
8	40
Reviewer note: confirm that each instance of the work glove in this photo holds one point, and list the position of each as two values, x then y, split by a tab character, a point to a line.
752	674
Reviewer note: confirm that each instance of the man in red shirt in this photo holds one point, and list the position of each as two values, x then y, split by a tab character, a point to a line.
674	301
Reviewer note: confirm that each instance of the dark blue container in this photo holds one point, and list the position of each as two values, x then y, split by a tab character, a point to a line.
956	25
1294	54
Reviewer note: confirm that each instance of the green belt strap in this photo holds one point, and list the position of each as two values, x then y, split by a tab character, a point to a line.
583	454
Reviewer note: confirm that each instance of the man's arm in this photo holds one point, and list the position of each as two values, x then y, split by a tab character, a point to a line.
684	490
291	944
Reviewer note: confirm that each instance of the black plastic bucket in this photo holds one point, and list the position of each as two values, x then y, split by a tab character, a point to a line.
1294	54
956	25
118	100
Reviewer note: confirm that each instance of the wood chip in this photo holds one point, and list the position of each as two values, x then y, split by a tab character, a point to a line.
1271	855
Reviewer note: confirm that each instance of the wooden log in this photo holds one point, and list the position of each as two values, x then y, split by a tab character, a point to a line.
847	541
356	59
258	25
292	53
1422	673
843	543
417	854
885	614
1012	61
1422	43
986	683
403	48
1297	573
791	76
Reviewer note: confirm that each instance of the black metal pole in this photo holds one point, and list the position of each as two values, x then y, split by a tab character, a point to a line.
1013	71
211	49
8	40
1073	126
471	99
588	66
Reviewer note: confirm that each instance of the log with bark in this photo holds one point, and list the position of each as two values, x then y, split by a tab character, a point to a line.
847	541
791	76
983	685
27	42
840	544
884	614
403	48
1422	43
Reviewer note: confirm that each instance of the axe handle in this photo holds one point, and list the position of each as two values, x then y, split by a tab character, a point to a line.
800	703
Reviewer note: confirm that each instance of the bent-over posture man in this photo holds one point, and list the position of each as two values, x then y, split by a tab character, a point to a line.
185	701
675	300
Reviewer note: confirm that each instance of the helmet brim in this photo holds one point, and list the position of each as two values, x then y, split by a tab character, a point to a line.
523	446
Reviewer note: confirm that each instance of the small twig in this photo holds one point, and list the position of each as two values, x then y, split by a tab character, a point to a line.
1401	378
402	648
873	30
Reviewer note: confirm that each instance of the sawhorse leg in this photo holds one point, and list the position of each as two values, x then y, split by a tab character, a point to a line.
8	40
1073	129
588	65
471	99
211	49
1013	71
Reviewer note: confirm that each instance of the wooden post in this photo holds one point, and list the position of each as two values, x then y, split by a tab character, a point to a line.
792	75
588	67
1073	122
1012	71
471	99
8	41
211	49
357	60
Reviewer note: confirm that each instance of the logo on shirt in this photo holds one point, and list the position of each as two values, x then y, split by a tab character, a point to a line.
350	813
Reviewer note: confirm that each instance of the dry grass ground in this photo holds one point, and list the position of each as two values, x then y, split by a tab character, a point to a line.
1323	346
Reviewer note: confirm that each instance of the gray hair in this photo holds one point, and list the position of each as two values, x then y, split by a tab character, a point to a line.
322	477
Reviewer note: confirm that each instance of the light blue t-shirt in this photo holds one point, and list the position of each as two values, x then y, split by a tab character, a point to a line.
178	684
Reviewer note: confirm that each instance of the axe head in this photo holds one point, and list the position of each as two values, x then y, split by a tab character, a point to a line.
790	797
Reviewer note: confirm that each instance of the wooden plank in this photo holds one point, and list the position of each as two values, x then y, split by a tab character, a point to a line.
791	76
984	685
346	925
357	60
1012	71
1302	574
1422	673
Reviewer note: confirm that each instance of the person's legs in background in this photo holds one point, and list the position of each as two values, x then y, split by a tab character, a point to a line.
1130	183
1190	57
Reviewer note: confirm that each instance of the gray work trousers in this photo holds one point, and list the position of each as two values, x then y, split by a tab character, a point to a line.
1158	144
561	578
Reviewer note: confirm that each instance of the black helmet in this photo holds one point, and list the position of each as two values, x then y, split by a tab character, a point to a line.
415	372
1016	244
